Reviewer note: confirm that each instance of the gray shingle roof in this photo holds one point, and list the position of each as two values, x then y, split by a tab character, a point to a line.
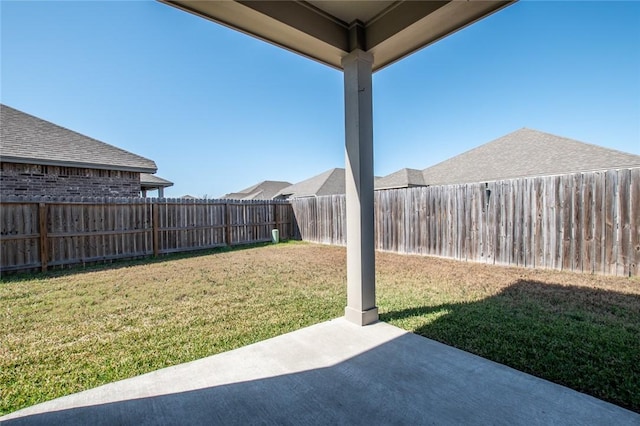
28	139
403	178
264	190
526	153
152	181
330	182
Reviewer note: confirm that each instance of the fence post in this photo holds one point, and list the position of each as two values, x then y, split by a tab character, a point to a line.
291	222
227	229
155	219
44	242
275	216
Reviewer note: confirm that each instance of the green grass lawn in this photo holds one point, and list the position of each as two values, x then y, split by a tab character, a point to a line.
68	331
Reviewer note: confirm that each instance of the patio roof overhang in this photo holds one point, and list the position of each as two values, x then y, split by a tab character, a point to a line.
327	31
359	38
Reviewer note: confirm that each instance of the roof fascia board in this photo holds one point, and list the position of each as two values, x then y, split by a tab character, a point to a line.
305	18
400	16
444	21
40	162
384	188
306	30
150	186
147	179
240	17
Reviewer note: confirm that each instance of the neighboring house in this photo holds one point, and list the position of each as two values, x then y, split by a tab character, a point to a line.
330	182
523	153
152	183
264	190
403	178
40	158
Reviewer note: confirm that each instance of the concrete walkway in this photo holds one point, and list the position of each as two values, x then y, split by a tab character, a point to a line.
331	373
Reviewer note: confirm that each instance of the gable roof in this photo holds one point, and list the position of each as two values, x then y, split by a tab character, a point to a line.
264	190
403	178
526	153
330	182
31	140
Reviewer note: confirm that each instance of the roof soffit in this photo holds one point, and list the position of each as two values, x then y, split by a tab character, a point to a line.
323	30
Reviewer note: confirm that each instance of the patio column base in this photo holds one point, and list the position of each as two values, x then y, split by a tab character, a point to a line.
367	317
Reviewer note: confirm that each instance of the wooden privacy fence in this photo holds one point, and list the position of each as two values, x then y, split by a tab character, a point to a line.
587	222
45	233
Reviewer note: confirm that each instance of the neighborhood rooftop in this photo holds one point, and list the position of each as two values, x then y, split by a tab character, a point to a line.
154	182
264	190
403	178
526	153
327	183
30	140
523	153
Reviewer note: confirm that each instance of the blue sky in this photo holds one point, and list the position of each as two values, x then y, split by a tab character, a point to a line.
219	111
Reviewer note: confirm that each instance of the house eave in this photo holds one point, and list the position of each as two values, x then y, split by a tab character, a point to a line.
151	187
309	29
80	165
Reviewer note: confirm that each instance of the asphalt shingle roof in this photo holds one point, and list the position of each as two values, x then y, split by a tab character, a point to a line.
31	140
154	181
403	178
264	190
526	153
330	182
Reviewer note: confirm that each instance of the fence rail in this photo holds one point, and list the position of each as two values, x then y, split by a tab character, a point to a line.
588	222
38	234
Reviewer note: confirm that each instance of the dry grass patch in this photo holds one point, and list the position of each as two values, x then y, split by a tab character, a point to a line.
62	333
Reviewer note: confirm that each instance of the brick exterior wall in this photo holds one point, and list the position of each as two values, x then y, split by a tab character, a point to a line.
37	180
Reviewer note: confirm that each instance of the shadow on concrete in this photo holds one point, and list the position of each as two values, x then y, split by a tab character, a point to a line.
584	338
408	380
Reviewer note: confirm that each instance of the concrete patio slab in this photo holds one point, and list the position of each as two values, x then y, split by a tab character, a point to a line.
331	373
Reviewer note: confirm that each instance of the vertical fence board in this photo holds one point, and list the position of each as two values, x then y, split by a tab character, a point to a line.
44	244
565	224
517	188
610	234
634	223
624	224
557	218
501	224
470	223
588	223
599	221
491	229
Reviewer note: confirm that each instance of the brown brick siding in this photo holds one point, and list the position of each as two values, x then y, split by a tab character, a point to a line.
37	180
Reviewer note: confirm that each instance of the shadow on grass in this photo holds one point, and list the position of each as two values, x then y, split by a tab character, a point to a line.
75	269
583	338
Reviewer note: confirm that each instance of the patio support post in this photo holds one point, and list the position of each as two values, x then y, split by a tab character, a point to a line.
361	287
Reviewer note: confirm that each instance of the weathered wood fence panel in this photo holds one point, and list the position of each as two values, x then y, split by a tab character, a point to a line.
43	233
323	219
585	222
